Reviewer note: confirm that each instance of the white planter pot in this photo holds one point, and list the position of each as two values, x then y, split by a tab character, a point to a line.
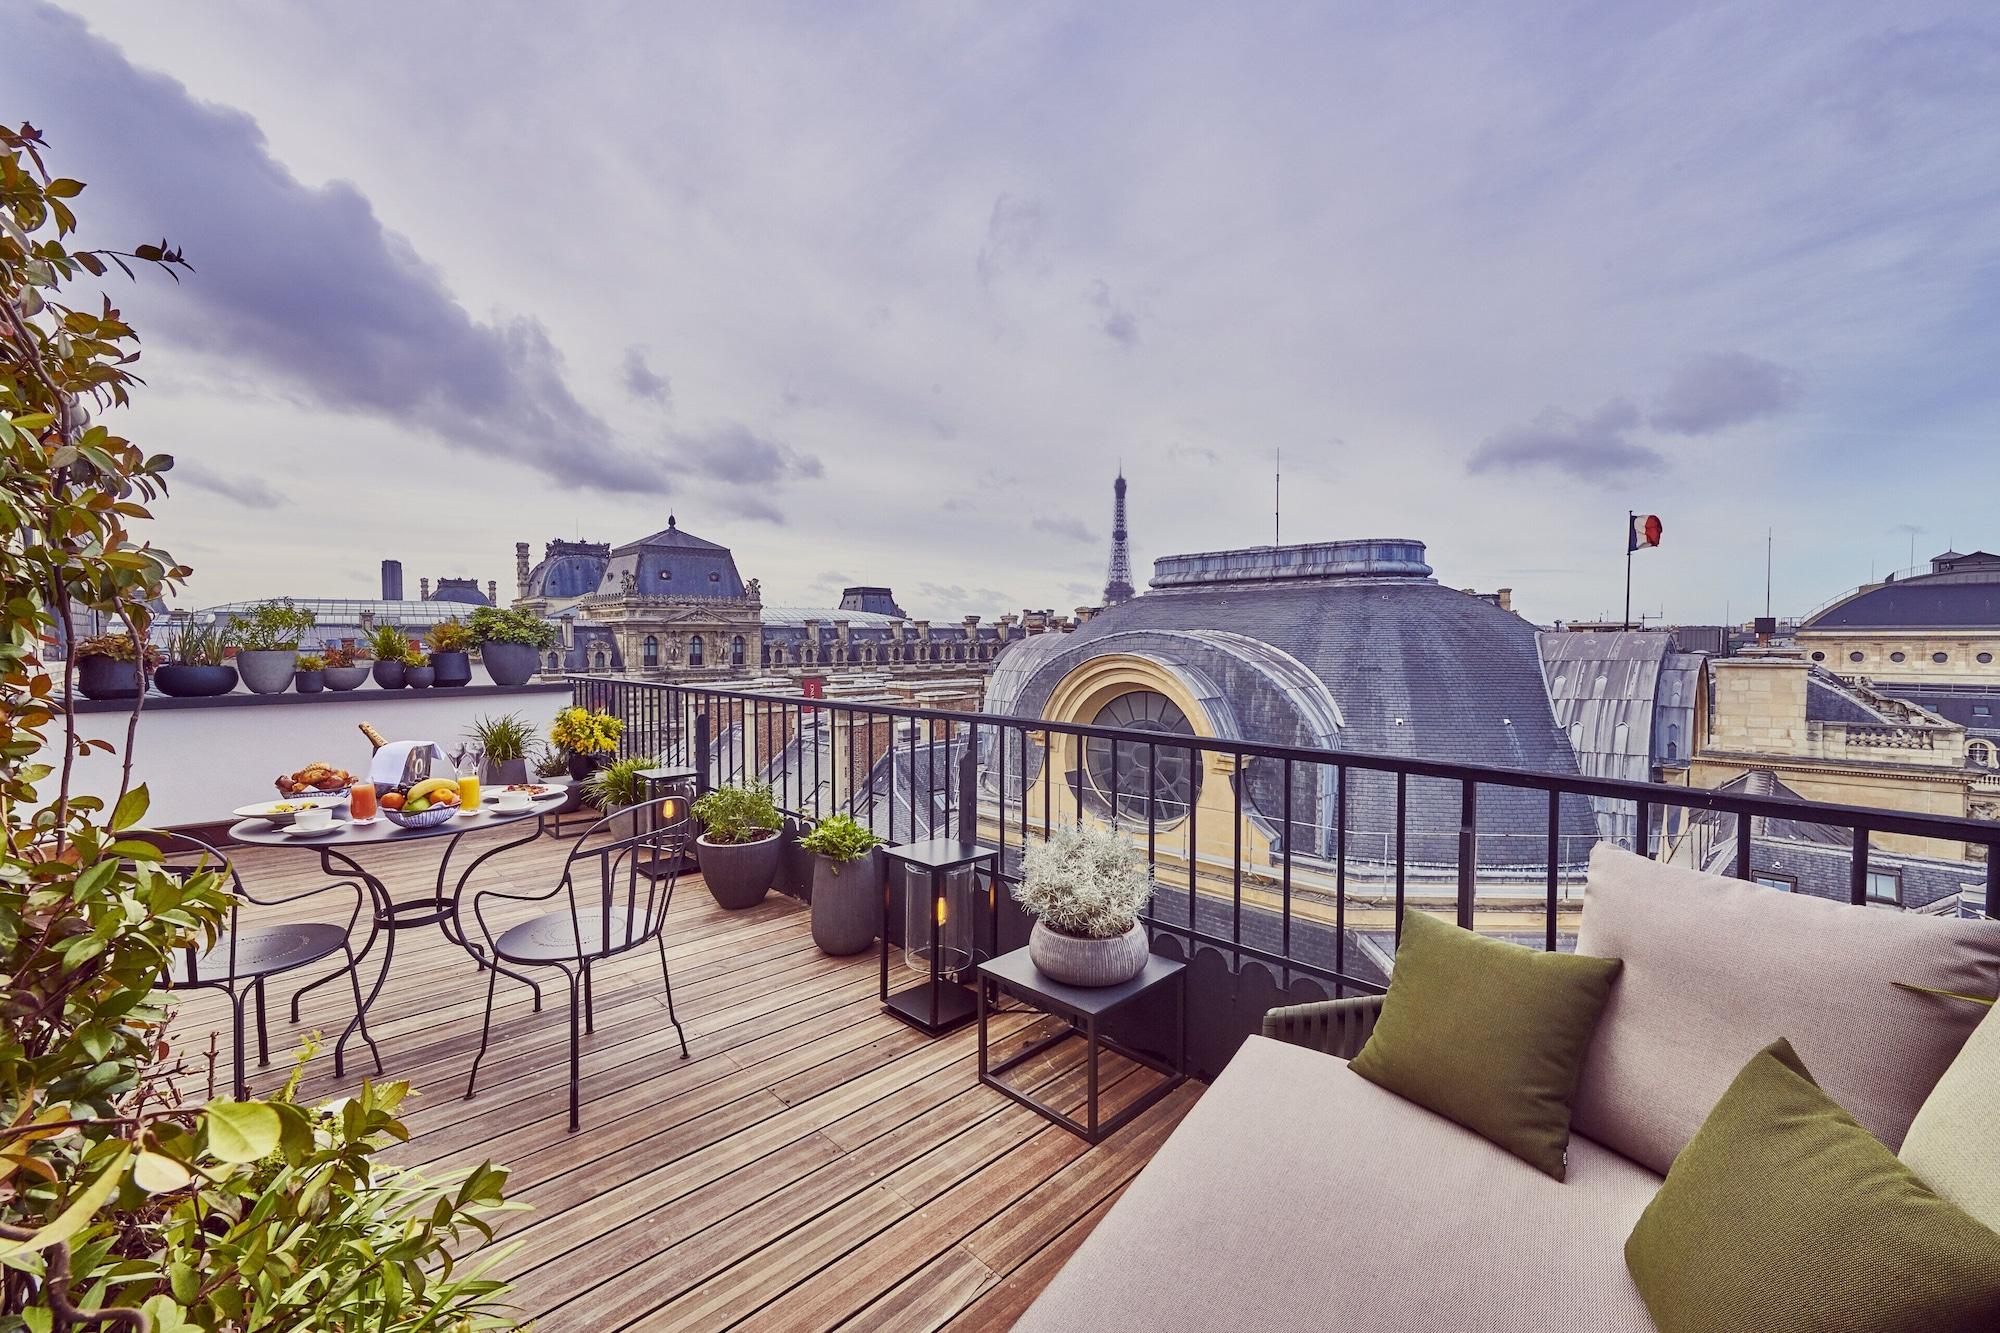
1076	961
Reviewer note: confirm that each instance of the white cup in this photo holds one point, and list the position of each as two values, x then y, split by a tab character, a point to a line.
313	818
513	802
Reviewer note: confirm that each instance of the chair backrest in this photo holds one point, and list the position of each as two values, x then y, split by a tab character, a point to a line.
182	854
619	877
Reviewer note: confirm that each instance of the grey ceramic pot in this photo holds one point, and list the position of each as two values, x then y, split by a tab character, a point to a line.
267	670
502	772
1076	961
509	663
101	677
420	677
453	669
389	675
738	874
345	678
846	902
195	682
309	682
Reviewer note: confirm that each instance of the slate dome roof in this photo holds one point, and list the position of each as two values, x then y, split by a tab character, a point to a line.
1962	592
672	563
569	570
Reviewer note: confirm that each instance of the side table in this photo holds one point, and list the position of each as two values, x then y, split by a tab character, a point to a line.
1084	1008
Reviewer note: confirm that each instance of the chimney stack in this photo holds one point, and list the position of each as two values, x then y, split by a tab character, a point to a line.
521	569
493	591
392	580
424	583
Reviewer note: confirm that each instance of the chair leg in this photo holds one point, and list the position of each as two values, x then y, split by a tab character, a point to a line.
263	1035
661	940
360	1010
239	1084
300	993
485	1031
575	1056
589	1008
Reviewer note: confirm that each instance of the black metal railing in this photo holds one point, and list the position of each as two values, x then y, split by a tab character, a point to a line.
1300	893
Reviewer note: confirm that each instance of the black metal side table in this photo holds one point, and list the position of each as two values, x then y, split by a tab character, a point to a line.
682	781
1083	1007
940	1003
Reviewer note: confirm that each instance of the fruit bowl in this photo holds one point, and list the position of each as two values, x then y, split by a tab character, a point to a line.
430	818
438	798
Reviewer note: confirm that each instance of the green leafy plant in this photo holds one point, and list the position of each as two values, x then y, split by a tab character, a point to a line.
496	624
551	764
1084	880
189	644
339	657
389	644
450	636
271	627
618	785
840	839
502	738
586	731
312	662
119	648
122	1203
739	814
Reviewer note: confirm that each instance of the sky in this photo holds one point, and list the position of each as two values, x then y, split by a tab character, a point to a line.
887	294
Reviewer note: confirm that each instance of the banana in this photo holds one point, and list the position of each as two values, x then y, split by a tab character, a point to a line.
428	787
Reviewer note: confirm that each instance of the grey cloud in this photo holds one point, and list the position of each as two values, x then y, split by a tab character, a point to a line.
1193	453
1114	321
642	381
737	456
1594	448
303	284
1720	389
1013	237
250	492
1064	527
958	599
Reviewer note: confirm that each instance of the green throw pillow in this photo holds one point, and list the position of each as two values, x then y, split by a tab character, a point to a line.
1784	1215
1488	1034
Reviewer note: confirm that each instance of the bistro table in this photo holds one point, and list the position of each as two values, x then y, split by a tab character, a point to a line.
338	851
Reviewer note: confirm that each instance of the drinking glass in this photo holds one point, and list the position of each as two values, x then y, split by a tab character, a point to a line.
361	801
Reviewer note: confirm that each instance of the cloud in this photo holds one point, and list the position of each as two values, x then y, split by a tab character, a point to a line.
1114	321
1715	390
959	599
1593	448
250	492
735	455
1013	237
1064	527
303	284
642	381
1193	453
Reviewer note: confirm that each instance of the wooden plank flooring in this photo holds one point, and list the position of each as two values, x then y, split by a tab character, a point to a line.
814	1165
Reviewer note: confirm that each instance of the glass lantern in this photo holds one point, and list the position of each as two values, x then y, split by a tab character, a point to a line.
952	900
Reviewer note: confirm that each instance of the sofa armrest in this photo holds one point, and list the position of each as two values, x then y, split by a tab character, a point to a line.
1338	1027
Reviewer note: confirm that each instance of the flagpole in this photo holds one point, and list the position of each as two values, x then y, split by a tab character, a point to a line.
1630	518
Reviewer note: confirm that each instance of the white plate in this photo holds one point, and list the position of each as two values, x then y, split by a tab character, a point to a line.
535	792
268	809
294	831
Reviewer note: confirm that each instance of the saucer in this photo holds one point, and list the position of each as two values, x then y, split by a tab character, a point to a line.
294	831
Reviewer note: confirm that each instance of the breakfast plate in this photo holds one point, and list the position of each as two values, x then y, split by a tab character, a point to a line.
281	813
535	791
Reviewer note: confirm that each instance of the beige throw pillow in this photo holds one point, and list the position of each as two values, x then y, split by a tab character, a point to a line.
1954	1143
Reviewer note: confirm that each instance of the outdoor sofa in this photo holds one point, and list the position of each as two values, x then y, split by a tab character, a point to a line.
1298	1195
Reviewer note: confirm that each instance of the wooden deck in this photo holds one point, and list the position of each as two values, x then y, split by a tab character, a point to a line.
814	1165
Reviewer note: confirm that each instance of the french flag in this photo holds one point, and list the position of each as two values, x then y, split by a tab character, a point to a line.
1646	531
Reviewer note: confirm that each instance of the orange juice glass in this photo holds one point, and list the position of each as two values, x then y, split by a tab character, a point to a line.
468	793
361	801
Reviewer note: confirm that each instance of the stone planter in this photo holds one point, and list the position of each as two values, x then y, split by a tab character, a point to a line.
509	663
738	874
420	677
195	682
847	903
582	766
309	682
389	675
453	669
267	670
502	772
345	678
101	677
1076	961
795	863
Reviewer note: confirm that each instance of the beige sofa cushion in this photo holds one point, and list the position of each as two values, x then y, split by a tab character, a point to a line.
1954	1143
1717	969
1298	1195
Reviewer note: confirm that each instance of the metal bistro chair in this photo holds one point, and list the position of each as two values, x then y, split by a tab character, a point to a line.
245	956
606	904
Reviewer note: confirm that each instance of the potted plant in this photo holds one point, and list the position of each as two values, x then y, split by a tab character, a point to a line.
311	677
1086	886
113	666
503	743
418	672
343	672
267	644
738	847
586	737
194	668
511	643
551	767
846	884
451	652
392	651
618	786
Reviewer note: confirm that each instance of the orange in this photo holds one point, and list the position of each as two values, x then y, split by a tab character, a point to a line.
391	800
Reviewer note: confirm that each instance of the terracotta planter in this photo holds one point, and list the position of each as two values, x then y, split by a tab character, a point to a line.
345	678
847	902
738	874
267	670
389	675
453	669
509	663
195	682
1076	961
102	677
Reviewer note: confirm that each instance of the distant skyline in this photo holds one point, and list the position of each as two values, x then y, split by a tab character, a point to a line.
884	295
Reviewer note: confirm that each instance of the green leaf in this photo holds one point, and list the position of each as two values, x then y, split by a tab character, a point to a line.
81	1209
242	1131
157	1173
131	808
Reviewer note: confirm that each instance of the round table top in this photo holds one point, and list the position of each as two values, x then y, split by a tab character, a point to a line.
345	833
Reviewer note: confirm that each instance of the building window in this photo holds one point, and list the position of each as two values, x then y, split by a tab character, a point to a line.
666	576
694	650
1819	657
651	651
1854	656
1782	883
1673	740
714	576
1886	887
1982	710
1940	657
599	659
555	663
776	656
1984	659
1980	753
736	651
1120	781
1896	657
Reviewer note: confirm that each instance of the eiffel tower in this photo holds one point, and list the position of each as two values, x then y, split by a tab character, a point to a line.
1118	586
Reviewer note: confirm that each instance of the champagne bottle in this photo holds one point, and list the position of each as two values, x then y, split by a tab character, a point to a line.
374	736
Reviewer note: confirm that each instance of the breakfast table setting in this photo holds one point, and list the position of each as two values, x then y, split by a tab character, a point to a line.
410	794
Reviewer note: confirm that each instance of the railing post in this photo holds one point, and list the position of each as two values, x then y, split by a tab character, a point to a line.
1857	880
1468	850
1993	881
701	756
968	787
